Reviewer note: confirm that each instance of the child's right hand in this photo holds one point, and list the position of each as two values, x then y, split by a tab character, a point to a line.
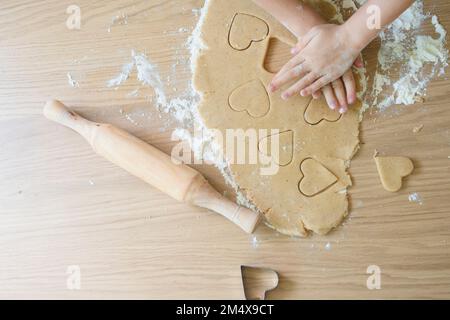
300	20
342	92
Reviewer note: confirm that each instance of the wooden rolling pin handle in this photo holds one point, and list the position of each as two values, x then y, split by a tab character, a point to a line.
144	161
59	113
202	194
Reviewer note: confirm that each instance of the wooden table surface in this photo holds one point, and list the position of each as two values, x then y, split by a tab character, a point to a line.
61	205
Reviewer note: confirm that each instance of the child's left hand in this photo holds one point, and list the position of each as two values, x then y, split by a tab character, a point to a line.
323	55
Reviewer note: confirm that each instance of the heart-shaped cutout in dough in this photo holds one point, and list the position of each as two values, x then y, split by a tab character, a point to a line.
251	97
246	29
281	143
277	55
392	170
316	178
318	111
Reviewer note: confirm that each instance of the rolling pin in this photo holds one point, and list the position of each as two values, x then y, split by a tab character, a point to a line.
151	165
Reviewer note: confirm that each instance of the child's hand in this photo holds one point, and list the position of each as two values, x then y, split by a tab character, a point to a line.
322	56
340	93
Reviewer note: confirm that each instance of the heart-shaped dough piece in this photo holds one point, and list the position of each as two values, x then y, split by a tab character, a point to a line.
251	97
392	170
318	111
246	29
316	178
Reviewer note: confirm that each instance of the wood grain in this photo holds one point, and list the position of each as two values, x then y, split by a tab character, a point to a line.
61	205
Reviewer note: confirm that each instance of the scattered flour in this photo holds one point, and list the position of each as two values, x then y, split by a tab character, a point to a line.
121	19
196	11
255	242
148	75
72	82
122	76
408	60
415	197
133	93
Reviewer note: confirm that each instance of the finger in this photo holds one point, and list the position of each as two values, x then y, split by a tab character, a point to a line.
339	92
359	63
350	86
296	60
288	66
299	85
330	97
316	95
296	72
317	85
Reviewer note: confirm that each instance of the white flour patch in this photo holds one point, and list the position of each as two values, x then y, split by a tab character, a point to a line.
415	197
408	59
196	11
122	76
133	93
255	242
148	75
72	82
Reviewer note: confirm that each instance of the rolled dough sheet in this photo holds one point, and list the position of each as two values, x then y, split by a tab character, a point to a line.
309	190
